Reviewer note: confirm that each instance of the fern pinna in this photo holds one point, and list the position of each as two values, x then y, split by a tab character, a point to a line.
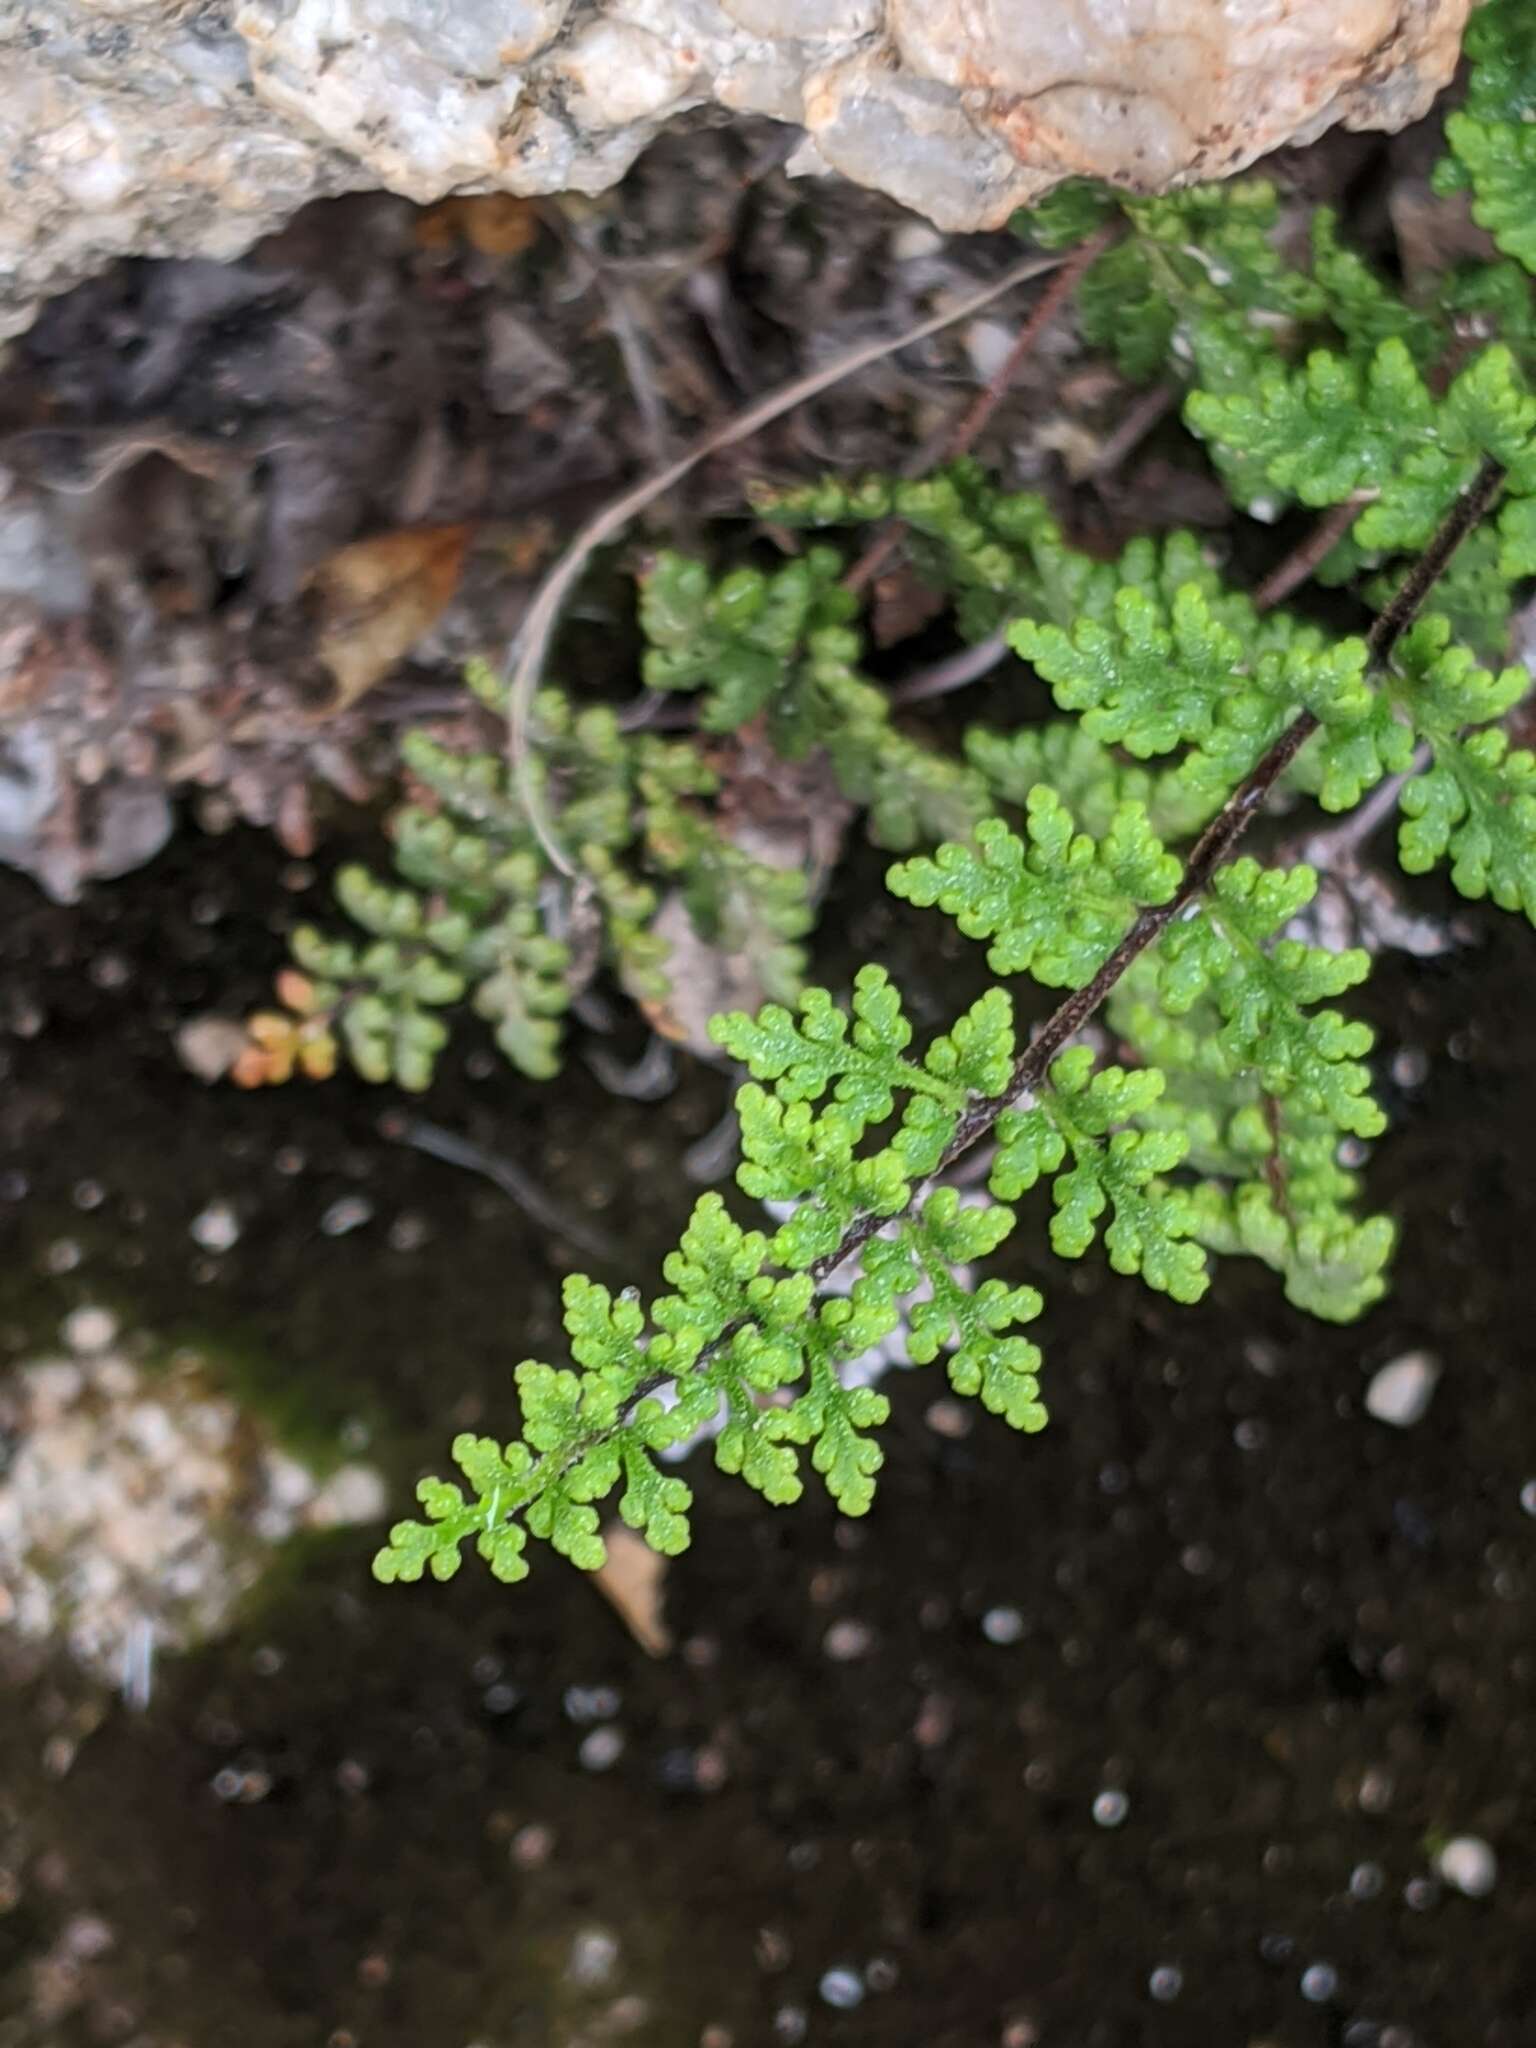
1095	853
1235	1065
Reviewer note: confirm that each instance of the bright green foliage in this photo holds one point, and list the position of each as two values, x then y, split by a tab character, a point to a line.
1337	426
1198	669
482	921
1361	303
1261	985
1259	1089
1053	903
1239	1110
1477	801
1091	779
1197	254
780	647
1493	137
740	1331
1089	1118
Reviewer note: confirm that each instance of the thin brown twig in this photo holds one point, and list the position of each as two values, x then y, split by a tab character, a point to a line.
966	431
538	625
955	672
1211	852
1296	567
1148	410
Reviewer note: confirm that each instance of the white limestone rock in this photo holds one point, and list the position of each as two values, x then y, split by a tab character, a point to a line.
151	127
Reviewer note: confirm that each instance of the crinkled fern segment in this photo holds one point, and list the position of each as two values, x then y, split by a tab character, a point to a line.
847	1124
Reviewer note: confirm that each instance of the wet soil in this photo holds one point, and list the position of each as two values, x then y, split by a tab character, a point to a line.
1142	1731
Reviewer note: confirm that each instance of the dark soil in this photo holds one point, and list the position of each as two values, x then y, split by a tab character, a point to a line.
1146	1730
1297	1641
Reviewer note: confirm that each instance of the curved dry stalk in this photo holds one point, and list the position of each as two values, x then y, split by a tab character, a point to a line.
531	646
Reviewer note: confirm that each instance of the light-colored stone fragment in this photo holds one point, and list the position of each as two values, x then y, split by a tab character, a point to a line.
1400	1393
619	74
151	127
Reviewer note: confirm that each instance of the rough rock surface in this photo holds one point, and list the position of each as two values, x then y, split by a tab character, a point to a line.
168	127
137	1510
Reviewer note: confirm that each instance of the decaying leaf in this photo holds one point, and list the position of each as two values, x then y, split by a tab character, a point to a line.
632	1581
494	223
378	597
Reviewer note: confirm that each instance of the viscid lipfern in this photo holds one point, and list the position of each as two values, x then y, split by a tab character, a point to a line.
1094	853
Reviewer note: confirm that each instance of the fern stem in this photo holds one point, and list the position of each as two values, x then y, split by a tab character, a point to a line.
1210	852
1295	568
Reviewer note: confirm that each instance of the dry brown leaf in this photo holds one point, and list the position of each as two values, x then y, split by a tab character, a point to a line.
632	1581
495	223
377	597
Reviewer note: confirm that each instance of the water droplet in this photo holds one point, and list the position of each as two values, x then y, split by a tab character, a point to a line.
789	2023
1165	1983
1110	1807
1251	1434
1421	1893
1002	1625
1319	1981
500	1698
1528	1496
842	1988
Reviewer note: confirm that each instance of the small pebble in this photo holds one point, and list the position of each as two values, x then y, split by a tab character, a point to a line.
1400	1393
914	239
1165	1983
1319	1981
348	1213
948	1419
601	1750
1110	1807
1469	1865
1002	1625
532	1846
1366	1881
89	1330
585	1704
1528	1496
216	1228
209	1046
1375	1794
594	1955
842	1988
847	1640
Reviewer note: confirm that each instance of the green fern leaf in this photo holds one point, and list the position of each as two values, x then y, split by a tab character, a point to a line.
1054	904
1088	1116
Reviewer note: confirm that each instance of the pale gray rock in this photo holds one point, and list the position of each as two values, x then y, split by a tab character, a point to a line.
167	127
